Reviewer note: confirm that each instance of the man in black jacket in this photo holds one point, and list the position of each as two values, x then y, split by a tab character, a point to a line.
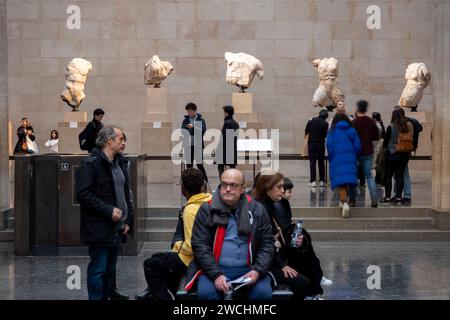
103	191
227	155
89	134
231	238
317	129
196	128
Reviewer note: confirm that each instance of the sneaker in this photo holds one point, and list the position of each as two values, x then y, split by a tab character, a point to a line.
386	200
322	184
313	297
352	203
406	200
396	200
312	184
326	282
345	210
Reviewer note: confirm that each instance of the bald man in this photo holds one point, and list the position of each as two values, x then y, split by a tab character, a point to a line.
231	238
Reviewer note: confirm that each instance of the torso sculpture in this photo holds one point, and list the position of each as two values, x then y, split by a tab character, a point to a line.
328	93
156	71
76	73
241	69
418	77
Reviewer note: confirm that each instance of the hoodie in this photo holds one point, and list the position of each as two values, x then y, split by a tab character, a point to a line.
183	247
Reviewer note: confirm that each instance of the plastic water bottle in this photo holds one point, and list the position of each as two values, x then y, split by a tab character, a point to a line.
297	232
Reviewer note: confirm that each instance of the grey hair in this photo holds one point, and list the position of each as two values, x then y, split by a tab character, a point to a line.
106	133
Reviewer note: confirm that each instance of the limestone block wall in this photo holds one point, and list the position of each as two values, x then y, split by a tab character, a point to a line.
4	169
119	36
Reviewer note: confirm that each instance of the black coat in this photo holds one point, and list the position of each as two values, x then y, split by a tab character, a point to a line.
228	124
191	131
303	259
91	132
207	221
22	137
317	129
96	194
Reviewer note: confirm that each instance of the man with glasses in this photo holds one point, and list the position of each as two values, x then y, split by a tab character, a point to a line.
231	238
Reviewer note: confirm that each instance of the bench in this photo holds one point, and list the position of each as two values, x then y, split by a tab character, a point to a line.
281	292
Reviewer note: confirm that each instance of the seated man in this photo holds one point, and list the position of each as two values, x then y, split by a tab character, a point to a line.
164	270
232	237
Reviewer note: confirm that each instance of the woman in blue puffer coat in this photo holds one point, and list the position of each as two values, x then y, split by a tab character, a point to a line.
343	146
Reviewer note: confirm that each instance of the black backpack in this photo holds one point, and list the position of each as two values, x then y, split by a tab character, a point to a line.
82	139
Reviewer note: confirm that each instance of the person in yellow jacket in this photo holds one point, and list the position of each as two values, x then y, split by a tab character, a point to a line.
164	270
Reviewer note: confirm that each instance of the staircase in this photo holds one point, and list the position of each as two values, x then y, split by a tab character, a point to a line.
6	225
325	224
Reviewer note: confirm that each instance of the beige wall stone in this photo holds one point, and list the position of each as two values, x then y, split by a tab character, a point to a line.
118	36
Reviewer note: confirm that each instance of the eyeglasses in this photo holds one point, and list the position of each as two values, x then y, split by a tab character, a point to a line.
233	186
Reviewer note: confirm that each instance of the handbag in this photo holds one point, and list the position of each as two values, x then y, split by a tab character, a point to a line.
24	146
32	146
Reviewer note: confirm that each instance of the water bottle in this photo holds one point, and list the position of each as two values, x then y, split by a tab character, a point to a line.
228	295
297	232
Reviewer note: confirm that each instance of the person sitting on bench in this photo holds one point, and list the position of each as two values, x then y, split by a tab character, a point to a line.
298	267
164	270
231	238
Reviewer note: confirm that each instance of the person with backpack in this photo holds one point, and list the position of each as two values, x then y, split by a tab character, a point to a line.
399	143
88	136
407	188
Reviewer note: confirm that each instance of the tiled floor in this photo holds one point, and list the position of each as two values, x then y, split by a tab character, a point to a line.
411	270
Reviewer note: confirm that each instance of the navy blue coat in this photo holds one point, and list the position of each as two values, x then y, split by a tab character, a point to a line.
343	146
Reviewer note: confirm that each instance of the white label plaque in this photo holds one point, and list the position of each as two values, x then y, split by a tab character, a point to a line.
157	124
73	124
254	145
242	124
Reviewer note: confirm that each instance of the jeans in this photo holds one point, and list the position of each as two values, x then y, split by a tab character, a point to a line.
261	290
406	184
365	163
396	164
101	271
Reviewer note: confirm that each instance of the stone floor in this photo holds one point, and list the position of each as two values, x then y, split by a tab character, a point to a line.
411	270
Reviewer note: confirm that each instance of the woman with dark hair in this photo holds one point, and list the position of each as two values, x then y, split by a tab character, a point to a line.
380	125
52	143
343	146
292	266
25	130
397	160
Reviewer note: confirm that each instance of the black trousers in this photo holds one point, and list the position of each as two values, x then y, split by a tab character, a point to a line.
163	272
300	285
190	164
395	165
316	153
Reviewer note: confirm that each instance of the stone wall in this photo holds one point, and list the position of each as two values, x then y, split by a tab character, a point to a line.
119	36
441	132
4	170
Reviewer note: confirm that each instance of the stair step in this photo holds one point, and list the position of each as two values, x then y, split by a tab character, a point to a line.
10	223
6	235
165	234
385	212
324	223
